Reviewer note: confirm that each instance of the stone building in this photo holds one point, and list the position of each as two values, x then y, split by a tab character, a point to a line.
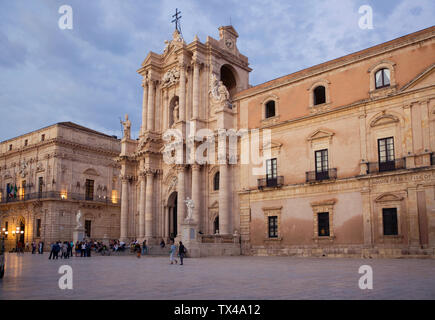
48	175
348	168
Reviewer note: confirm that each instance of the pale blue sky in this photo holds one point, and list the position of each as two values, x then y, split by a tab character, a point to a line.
88	75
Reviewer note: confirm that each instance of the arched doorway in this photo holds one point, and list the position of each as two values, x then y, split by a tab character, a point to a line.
228	78
172	215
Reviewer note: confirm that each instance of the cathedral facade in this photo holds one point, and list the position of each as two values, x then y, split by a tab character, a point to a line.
345	148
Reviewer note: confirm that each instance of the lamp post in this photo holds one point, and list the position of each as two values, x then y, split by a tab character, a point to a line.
17	233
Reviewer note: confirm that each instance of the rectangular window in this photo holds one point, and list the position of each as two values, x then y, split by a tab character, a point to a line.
89	189
323	222
322	165
386	154
271	172
10	147
40	184
43	137
389	219
88	228
273	227
25	142
23	189
38	227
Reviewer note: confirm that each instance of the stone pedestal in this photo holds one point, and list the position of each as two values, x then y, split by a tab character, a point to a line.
189	237
78	234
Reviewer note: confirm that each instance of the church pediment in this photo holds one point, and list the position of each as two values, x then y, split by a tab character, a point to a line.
423	80
320	134
388	197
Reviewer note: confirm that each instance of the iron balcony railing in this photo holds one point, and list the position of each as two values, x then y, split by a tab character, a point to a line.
270	182
397	164
56	195
313	176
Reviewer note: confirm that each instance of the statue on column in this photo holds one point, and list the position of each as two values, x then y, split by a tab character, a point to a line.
190	205
127	126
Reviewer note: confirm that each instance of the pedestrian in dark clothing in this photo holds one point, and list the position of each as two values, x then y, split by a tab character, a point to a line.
51	252
181	252
88	250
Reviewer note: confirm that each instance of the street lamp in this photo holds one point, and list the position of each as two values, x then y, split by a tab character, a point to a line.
17	232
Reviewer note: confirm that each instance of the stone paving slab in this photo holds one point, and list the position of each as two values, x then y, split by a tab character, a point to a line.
216	278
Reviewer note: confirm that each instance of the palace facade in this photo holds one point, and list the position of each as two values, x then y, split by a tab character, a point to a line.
349	168
48	175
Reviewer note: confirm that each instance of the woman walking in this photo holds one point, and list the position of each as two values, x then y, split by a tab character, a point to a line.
172	252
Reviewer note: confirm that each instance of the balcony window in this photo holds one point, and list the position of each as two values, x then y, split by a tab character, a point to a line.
386	154
89	189
322	165
271	173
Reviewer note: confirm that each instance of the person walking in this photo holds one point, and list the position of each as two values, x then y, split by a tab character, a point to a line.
181	252
172	252
51	252
137	249
77	248
83	250
162	243
88	249
41	247
33	247
144	247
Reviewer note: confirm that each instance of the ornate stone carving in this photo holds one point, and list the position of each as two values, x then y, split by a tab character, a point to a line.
170	78
219	91
127	127
23	168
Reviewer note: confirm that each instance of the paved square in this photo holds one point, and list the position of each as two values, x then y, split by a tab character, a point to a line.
126	277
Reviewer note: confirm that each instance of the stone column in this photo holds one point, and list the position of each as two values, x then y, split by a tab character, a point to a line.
124	208
414	230
367	217
142	206
149	205
150	115
181	206
426	133
182	96
196	189
196	67
409	148
144	106
224	210
363	142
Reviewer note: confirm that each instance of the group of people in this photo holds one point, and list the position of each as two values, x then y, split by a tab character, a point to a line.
61	249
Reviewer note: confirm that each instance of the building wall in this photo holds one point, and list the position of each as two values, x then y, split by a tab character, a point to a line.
68	155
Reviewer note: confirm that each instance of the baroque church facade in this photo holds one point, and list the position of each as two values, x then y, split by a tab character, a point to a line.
348	169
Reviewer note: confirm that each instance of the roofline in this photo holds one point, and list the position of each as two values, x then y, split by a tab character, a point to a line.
323	67
66	124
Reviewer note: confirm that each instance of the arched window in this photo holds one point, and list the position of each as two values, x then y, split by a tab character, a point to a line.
216	181
270	109
382	78
319	95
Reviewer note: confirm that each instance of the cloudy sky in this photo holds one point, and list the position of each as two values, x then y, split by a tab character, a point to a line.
87	75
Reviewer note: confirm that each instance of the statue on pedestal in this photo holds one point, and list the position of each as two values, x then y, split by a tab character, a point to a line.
78	219
127	126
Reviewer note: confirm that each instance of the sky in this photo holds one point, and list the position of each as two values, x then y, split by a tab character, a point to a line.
87	74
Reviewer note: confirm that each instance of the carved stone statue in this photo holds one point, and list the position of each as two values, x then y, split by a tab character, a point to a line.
78	220
170	78
127	126
219	91
23	167
190	205
176	112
